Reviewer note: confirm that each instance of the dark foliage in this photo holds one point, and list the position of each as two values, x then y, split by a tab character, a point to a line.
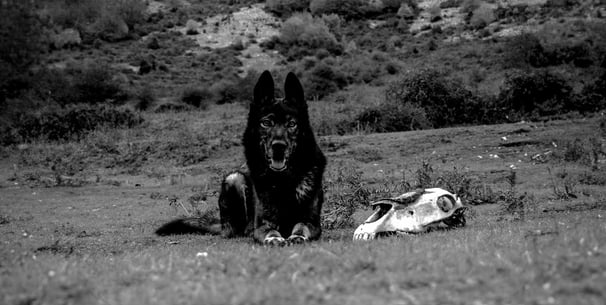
445	101
348	9
392	117
593	96
285	8
88	85
67	123
20	46
323	79
145	97
524	50
199	98
531	94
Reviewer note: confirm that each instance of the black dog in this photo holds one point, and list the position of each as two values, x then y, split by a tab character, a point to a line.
278	197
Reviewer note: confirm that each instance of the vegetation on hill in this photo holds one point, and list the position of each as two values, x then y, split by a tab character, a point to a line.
497	63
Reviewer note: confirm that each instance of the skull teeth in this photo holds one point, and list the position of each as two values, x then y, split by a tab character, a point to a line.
364	236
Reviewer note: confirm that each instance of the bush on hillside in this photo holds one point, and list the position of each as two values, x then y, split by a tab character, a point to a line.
566	52
68	123
322	80
234	89
524	50
110	20
303	35
144	98
89	85
131	11
21	44
482	16
199	98
593	96
531	94
392	117
348	9
285	8
446	101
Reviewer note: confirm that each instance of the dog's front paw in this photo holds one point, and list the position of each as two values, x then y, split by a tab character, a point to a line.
296	239
275	241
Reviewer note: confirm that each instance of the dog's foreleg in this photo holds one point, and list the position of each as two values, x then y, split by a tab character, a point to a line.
274	238
300	234
234	205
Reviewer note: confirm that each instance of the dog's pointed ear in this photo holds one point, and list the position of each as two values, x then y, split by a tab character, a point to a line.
293	91
264	89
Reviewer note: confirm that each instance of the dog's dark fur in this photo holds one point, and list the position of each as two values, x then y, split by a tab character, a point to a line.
278	197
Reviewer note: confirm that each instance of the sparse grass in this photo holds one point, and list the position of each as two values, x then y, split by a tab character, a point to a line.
346	193
524	262
564	185
107	230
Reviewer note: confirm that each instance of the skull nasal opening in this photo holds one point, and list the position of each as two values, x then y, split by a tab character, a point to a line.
381	210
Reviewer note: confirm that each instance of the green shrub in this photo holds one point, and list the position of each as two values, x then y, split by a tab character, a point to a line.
445	101
450	3
348	9
529	94
21	44
131	11
96	85
364	67
392	117
329	75
85	84
68	123
73	14
482	16
303	35
144	98
593	96
468	6
577	53
285	8
110	20
524	50
199	98
234	89
393	5
110	27
323	79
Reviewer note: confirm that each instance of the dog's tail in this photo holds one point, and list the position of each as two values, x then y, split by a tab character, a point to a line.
188	226
205	224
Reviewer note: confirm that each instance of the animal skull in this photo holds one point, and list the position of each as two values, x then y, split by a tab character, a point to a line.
412	212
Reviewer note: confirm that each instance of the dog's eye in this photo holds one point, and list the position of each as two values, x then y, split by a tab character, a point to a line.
291	124
267	123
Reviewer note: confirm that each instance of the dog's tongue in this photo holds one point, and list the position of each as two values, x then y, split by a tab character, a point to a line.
278	165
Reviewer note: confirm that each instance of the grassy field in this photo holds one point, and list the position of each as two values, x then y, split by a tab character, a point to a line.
117	116
94	244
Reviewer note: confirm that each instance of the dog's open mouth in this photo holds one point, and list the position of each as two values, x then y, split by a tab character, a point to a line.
277	165
277	156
